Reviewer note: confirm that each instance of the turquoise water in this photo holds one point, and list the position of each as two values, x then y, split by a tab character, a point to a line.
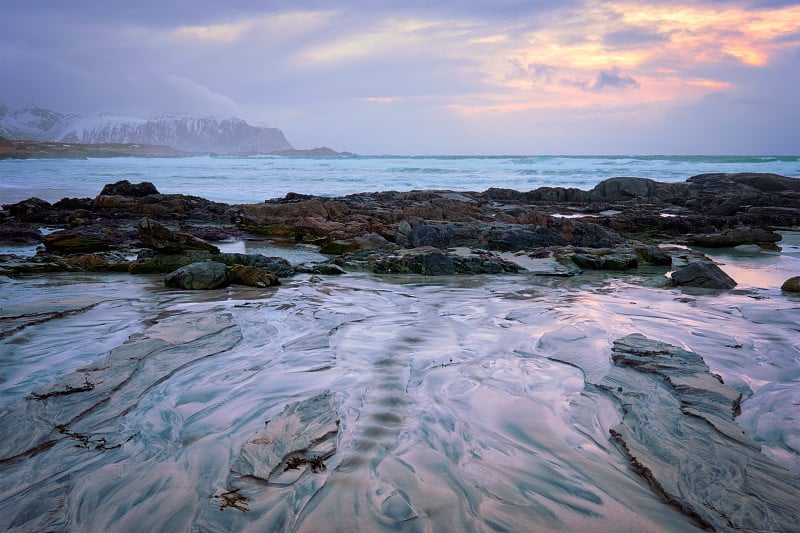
253	179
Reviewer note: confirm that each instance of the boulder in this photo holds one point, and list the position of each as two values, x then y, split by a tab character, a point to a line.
791	284
126	188
251	276
157	236
702	274
205	275
735	237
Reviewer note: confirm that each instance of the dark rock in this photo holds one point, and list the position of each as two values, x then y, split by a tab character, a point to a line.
251	276
99	262
623	189
126	188
204	275
748	181
510	238
150	263
27	210
678	433
276	265
606	260
20	232
702	274
653	255
430	262
78	241
725	209
157	236
791	284
735	237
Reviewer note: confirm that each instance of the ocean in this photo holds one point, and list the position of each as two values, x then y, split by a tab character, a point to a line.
237	180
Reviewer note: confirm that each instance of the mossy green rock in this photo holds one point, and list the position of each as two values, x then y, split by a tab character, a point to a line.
791	285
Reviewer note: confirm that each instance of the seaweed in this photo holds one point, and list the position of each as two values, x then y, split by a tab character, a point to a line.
233	499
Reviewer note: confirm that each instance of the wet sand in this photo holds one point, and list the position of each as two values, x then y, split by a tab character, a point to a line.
462	403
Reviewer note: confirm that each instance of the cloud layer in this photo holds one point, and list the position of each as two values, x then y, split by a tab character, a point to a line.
507	77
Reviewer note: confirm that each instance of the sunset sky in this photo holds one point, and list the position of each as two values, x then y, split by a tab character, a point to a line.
428	77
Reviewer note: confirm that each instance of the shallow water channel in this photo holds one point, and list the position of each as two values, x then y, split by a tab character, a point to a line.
463	402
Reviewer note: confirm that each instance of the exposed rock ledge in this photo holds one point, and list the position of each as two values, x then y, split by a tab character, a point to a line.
679	434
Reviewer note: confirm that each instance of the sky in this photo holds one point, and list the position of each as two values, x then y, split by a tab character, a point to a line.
498	77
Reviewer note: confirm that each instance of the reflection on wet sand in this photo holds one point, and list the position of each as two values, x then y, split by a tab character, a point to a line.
460	404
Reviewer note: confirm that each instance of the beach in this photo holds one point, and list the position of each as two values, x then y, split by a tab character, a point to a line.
402	400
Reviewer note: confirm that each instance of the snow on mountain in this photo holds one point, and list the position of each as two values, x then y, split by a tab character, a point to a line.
31	123
190	134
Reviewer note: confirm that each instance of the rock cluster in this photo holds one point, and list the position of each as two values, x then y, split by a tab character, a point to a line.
615	226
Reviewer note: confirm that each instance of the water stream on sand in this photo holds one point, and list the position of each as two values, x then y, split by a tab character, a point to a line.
463	402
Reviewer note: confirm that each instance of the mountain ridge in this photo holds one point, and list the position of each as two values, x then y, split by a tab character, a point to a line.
185	133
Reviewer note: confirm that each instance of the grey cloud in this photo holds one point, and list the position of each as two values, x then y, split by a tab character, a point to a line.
613	79
633	37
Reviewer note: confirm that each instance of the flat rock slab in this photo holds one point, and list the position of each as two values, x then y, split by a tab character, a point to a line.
91	398
679	434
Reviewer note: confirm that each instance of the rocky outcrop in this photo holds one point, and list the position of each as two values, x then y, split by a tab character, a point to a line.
158	237
704	275
126	188
678	433
20	233
736	237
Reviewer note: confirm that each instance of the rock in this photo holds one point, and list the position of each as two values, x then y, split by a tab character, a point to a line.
276	265
20	232
735	237
703	274
99	262
126	188
678	433
150	263
606	260
204	275
157	236
251	276
77	241
626	188
511	238
791	284
429	262
27	210
724	209
303	430
653	255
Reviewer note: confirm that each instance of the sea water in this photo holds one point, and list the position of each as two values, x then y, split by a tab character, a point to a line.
238	180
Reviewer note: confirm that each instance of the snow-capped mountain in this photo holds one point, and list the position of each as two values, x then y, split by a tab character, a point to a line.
30	123
182	132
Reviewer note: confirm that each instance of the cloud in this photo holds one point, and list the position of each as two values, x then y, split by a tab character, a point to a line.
470	71
613	79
